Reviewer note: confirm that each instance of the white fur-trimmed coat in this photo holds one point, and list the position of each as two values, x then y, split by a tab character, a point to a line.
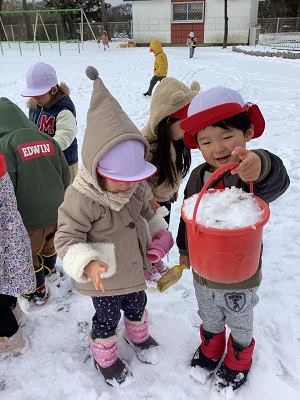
89	230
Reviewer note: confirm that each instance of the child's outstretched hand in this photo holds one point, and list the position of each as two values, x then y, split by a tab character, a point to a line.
93	270
250	166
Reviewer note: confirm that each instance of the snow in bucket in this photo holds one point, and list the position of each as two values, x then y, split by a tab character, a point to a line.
231	208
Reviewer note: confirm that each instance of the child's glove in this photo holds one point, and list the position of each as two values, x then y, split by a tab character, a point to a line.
160	246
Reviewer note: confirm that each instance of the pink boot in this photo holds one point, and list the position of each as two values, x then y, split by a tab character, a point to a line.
161	267
137	335
153	278
106	361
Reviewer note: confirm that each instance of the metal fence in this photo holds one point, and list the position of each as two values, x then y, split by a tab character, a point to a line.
278	25
285	41
56	32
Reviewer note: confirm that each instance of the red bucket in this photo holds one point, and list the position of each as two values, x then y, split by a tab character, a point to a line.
225	255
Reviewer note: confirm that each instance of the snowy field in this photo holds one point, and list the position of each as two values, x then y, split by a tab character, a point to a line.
58	365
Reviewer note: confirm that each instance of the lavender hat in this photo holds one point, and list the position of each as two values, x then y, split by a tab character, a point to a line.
40	78
126	162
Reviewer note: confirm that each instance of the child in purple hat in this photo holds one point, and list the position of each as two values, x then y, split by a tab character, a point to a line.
220	124
52	110
105	229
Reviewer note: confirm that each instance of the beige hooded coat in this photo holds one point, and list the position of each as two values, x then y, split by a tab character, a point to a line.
90	226
170	96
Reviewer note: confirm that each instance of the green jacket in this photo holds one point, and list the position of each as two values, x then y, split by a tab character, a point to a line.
36	165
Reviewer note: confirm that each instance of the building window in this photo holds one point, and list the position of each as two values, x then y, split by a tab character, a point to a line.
188	11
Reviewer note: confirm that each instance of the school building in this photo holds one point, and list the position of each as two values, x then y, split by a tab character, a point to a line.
170	21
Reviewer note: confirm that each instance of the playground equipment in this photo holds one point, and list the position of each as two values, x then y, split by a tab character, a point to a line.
40	31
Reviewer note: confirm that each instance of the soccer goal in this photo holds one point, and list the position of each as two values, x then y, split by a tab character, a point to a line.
53	27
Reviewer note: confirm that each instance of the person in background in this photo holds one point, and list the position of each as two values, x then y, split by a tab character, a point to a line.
220	124
105	226
52	110
16	268
168	153
104	40
191	42
160	65
39	172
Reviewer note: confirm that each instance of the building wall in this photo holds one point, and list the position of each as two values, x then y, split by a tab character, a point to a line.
152	19
238	22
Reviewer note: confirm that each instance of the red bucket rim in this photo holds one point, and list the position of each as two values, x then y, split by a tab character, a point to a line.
236	231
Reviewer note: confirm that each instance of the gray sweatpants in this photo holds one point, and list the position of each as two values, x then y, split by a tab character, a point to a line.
231	307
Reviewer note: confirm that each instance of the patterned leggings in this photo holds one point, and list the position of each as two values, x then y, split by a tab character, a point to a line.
108	312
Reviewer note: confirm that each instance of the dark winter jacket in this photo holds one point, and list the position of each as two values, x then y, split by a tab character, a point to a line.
46	118
36	165
272	183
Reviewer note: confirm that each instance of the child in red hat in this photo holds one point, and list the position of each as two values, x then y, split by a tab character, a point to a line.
220	124
168	152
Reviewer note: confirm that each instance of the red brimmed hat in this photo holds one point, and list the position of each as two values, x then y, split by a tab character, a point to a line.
182	113
215	105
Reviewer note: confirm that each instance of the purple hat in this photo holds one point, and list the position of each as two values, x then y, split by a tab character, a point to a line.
126	162
40	78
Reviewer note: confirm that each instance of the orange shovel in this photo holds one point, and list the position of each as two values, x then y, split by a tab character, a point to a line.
170	277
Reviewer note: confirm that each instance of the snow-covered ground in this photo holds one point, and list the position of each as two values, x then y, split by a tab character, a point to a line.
58	364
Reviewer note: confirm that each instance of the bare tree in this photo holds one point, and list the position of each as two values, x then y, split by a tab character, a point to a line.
27	21
225	24
104	16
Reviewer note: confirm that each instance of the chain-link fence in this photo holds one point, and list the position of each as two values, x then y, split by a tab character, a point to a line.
55	32
278	25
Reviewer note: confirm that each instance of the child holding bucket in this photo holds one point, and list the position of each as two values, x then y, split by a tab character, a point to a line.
168	152
220	124
105	228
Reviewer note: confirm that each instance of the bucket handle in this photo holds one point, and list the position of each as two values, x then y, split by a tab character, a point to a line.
215	175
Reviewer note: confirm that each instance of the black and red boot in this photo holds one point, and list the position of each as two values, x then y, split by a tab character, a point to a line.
208	354
234	369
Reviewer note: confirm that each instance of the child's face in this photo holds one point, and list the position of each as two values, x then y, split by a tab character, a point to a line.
216	144
45	99
118	186
176	132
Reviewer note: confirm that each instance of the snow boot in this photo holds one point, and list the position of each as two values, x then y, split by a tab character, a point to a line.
161	267
137	335
208	354
48	262
18	313
40	296
113	369
234	369
153	278
13	346
147	94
